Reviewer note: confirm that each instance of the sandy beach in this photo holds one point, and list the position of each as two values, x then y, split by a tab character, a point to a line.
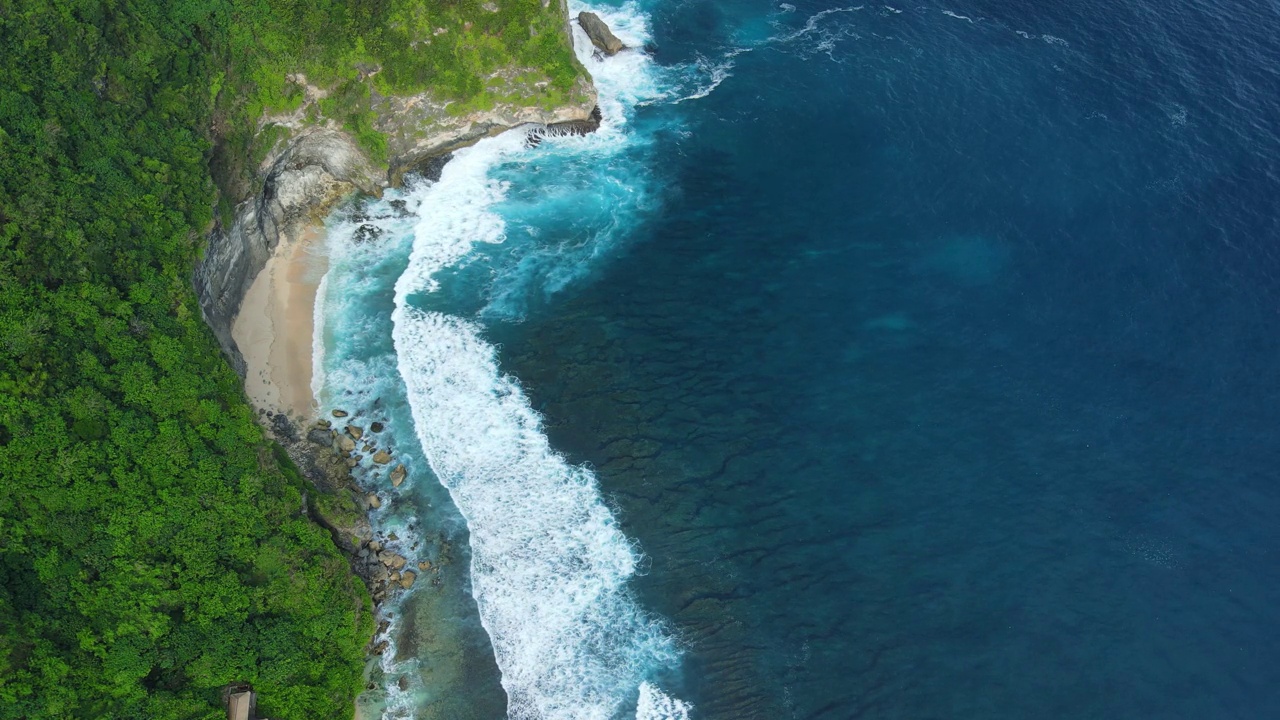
275	325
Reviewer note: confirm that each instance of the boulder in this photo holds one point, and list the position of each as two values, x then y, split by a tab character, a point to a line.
375	427
319	436
324	424
346	444
407	578
382	457
600	34
373	500
424	565
352	462
366	233
391	560
339	413
398	475
375	546
355	431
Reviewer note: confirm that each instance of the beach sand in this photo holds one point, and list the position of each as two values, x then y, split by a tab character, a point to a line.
275	324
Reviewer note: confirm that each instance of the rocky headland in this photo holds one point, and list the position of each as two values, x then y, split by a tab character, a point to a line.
309	167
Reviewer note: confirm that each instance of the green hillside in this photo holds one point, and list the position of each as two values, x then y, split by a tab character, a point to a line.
153	547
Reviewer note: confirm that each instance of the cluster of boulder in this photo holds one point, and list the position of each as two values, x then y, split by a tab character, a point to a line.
384	570
387	570
353	444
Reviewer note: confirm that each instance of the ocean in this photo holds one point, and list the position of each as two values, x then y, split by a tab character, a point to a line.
869	362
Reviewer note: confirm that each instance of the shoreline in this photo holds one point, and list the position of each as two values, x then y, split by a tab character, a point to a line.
276	322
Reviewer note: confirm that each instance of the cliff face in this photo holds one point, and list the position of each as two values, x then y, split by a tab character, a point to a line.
312	171
317	165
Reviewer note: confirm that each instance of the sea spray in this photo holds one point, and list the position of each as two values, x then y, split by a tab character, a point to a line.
549	566
533	221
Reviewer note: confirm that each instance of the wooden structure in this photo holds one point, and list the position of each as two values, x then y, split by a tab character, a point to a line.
240	702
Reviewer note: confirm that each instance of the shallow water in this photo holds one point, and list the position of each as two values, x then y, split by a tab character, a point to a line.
925	353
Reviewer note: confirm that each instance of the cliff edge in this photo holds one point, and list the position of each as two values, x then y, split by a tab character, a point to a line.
348	137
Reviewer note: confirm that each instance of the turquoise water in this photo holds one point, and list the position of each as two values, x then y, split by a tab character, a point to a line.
870	362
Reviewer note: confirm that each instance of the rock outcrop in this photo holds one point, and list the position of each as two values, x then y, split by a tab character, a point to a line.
307	173
601	36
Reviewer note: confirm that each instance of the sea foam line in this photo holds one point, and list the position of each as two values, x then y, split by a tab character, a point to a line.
549	565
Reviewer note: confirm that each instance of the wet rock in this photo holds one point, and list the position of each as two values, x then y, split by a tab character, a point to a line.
375	427
324	424
394	577
339	413
368	448
319	436
373	500
283	429
355	431
392	560
382	457
407	578
601	36
352	462
346	444
366	233
401	209
398	475
375	546
403	683
381	647
424	565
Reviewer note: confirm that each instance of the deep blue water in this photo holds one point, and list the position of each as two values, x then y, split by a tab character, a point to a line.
929	358
943	383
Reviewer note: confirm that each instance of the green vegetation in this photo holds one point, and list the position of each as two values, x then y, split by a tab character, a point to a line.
153	547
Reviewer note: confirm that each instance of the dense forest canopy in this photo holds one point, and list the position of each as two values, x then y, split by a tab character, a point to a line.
153	546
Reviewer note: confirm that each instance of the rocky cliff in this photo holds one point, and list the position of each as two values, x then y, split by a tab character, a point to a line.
315	164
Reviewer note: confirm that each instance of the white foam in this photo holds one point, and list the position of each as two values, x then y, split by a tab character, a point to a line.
657	705
549	566
948	13
317	337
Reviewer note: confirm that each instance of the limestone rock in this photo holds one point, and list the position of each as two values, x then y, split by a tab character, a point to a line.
600	34
407	578
398	475
397	562
355	431
346	444
382	457
339	413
